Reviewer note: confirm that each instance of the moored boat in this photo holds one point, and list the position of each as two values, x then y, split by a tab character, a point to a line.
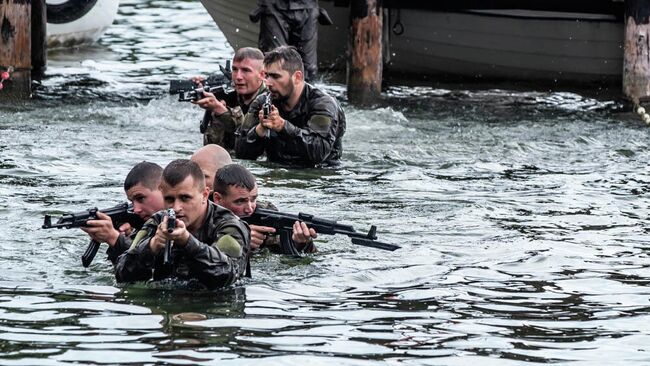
72	23
433	41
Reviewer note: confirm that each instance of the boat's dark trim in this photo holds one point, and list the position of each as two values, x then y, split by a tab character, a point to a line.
566	6
68	11
583	17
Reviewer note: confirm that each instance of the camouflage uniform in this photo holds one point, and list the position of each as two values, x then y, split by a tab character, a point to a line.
311	136
200	259
221	129
293	23
122	244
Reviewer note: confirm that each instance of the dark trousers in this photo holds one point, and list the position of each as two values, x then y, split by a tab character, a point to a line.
298	28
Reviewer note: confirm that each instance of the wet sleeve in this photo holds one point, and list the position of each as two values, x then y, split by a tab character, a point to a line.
223	262
247	144
231	120
137	263
316	140
121	245
228	121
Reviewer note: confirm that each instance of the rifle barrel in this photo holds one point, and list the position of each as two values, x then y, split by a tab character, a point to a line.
284	221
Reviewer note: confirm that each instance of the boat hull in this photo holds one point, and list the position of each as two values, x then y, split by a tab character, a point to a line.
84	30
480	45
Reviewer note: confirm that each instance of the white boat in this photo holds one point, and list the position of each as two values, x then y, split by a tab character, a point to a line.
72	23
479	44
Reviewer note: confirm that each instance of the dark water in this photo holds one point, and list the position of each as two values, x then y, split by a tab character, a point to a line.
522	217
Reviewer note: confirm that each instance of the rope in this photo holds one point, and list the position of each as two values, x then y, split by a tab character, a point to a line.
5	75
645	117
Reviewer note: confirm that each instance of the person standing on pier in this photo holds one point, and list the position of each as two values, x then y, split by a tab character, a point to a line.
294	23
304	125
222	119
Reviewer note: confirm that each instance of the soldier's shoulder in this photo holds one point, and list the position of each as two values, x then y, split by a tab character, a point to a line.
321	101
156	218
257	102
222	213
222	216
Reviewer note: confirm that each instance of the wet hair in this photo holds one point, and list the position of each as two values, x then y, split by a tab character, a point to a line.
176	172
144	173
288	57
233	175
248	53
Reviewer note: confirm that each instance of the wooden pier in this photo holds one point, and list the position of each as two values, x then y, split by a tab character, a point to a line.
371	30
22	46
636	60
365	64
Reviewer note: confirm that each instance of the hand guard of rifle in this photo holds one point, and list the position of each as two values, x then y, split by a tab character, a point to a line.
171	225
266	107
283	222
266	110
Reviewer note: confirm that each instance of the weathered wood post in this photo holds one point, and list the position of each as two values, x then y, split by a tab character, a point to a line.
39	38
364	71
16	48
636	59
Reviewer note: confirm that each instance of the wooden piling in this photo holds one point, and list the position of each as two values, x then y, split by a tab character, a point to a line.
15	48
636	52
39	38
364	66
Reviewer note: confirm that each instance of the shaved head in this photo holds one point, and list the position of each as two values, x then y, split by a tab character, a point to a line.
211	158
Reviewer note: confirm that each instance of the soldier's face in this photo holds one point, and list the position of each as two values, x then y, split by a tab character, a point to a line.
247	76
239	200
279	82
146	202
208	167
188	199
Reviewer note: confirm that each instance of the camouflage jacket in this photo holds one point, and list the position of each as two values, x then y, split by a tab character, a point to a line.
311	136
122	244
221	129
200	259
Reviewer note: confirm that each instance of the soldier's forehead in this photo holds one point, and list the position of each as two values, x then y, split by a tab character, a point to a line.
248	62
276	67
188	186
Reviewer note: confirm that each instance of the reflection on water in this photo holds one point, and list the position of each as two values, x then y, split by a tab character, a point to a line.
522	217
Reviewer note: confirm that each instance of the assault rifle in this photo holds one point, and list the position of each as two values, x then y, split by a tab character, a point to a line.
171	225
119	214
283	224
266	107
266	110
219	84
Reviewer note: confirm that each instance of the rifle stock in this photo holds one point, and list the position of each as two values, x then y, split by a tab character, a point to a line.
119	214
283	222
